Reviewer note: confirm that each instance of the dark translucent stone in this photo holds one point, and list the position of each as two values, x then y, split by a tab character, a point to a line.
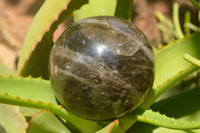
101	68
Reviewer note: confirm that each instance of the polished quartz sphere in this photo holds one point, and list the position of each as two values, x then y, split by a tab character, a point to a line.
101	68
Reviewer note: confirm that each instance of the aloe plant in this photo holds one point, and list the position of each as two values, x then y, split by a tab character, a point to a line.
37	110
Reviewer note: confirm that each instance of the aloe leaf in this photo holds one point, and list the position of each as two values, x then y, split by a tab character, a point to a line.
140	127
38	42
155	118
166	130
124	9
179	32
96	8
174	105
46	122
37	93
4	70
11	119
186	22
192	60
84	125
165	21
112	127
177	106
28	88
170	67
115	128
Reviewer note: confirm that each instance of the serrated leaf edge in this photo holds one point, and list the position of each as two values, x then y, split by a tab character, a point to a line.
20	66
54	108
16	100
162	120
116	123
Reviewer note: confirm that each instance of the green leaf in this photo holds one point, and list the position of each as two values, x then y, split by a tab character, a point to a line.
46	122
115	127
96	8
37	93
179	106
179	32
192	60
84	125
187	20
140	127
38	42
28	88
158	119
166	130
124	9
170	67
11	119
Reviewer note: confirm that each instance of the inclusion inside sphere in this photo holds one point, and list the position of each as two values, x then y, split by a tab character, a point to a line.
101	68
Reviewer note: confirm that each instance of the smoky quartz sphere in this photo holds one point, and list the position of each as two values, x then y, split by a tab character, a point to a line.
101	68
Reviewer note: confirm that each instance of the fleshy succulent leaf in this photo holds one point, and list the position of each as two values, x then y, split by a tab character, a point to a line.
124	9
174	105
46	122
170	68
96	8
11	119
115	127
155	118
167	130
39	40
167	73
141	127
56	109
192	60
28	88
178	106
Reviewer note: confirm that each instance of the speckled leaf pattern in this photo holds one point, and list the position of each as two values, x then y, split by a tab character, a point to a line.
38	42
96	8
11	119
46	122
